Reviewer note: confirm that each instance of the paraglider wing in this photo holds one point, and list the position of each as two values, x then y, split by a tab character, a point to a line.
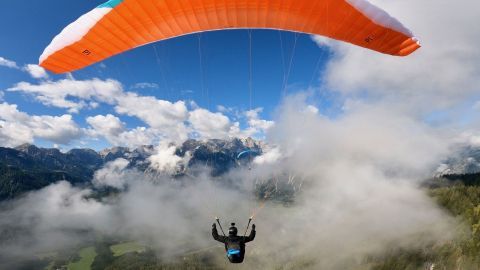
246	152
121	25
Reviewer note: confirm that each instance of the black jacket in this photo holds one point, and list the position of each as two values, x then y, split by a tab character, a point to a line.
234	242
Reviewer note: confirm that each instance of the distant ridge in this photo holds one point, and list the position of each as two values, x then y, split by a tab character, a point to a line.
28	167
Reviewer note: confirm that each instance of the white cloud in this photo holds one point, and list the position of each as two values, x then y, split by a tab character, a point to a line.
257	123
165	160
145	85
36	71
467	138
137	137
57	93
112	175
365	133
19	127
209	125
109	125
59	129
2	94
257	127
8	63
269	157
312	109
157	113
224	109
93	104
161	115
114	131
167	120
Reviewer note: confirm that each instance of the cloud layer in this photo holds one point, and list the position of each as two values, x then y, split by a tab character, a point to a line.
356	183
164	120
18	127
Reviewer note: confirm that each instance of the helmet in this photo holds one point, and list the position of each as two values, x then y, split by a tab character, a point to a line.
232	231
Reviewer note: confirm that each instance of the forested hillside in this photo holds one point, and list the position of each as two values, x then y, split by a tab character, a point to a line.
461	199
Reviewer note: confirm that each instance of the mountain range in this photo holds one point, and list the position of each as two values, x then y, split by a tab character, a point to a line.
28	167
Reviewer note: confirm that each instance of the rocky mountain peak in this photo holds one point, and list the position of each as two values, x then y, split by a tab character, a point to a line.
26	148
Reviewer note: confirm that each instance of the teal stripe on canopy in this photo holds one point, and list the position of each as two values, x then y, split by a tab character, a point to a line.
110	4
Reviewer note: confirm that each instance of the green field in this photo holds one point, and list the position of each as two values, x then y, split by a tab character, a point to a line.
124	248
87	255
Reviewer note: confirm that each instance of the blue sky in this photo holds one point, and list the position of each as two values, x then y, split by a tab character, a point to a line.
176	74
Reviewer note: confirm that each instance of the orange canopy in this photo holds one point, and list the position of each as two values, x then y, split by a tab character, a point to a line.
121	25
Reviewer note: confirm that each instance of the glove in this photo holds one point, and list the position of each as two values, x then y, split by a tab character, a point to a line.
214	226
253	227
